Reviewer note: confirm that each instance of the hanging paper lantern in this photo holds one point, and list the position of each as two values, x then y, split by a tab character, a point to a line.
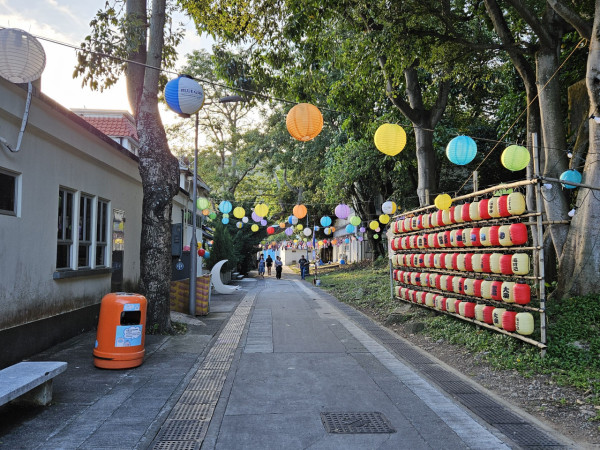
390	139
263	223
201	252
515	157
362	229
205	212
325	221
307	231
443	202
375	236
256	217
22	57
226	215
388	207
299	227
355	220
461	150
349	228
270	230
184	96
239	224
360	238
254	227
245	219
346	241
342	211
384	219
289	231
212	215
292	220
570	175
225	206
202	203
332	229
281	224
239	212
261	209
299	211
304	122
327	231
225	220
373	224
206	254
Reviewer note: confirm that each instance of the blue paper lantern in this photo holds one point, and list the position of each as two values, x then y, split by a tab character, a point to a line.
225	207
570	175
461	150
325	221
347	241
292	220
349	228
225	220
206	254
184	95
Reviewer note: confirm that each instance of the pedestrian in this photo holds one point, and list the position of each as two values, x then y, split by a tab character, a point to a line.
261	266
278	267
269	262
303	262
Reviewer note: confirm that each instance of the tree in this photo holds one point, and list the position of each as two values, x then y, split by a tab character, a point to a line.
138	35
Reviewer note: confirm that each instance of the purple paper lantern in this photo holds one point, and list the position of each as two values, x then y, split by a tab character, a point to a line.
362	229
289	231
263	222
256	217
342	211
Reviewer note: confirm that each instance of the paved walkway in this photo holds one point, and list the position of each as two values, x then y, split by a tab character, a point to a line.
279	365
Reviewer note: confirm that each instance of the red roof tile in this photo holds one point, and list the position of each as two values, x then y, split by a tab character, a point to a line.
113	126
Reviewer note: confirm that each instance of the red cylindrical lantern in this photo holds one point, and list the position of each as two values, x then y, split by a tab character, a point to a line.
503	206
506	264
475	237
465	212
483	209
457	306
449	283
508	320
446	239
469	262
443	303
518	233
522	293
488	314
496	290
461	285
494	236
455	261
469	309
452	218
485	263
439	216
438	281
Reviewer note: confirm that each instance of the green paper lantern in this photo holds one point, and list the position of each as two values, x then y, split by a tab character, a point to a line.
202	203
515	157
355	220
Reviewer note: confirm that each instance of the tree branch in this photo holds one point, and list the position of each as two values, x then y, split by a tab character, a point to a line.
583	27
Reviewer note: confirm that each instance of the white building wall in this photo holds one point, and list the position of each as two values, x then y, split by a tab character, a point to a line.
57	152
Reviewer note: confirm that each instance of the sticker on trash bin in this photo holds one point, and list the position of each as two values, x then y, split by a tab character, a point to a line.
129	336
131	307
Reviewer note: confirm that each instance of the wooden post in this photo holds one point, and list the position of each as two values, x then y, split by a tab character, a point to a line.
475	181
540	241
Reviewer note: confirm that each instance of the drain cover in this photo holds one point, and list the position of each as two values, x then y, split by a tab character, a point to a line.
355	422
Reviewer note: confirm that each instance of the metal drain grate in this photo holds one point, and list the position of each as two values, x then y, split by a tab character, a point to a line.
177	445
355	422
181	430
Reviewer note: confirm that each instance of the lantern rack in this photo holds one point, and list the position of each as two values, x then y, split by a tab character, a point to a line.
431	296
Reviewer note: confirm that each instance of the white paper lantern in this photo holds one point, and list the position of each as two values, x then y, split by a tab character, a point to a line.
22	57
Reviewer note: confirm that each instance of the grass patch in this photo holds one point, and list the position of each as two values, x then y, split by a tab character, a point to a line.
573	330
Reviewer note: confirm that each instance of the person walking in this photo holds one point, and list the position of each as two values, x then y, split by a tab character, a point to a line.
303	262
261	266
278	268
269	262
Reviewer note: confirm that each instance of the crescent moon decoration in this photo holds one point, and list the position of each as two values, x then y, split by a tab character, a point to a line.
216	279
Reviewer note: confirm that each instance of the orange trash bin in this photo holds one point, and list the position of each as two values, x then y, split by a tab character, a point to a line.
120	337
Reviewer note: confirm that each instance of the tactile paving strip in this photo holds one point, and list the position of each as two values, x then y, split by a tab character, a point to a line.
355	422
188	422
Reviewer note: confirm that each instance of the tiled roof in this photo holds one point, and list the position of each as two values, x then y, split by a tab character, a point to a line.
113	126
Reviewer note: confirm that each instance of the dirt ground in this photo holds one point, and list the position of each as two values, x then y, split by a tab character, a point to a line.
562	408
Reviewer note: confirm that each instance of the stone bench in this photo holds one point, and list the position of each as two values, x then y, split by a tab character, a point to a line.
29	382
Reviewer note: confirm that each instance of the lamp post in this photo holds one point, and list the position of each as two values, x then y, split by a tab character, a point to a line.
194	239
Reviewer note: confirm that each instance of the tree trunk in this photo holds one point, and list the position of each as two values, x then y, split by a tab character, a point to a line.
159	171
553	137
426	164
579	266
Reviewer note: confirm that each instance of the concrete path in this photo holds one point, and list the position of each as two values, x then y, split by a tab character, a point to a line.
279	365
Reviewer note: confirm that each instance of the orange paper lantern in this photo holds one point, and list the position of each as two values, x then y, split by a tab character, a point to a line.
299	211
304	122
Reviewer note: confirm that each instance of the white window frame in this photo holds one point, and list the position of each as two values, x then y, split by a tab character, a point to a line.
63	227
102	224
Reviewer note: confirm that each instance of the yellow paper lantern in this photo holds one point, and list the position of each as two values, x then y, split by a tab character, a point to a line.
443	201
390	139
261	209
373	225
304	122
299	227
239	212
515	157
254	227
384	218
299	211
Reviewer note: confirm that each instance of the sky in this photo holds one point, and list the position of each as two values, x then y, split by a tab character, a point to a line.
68	21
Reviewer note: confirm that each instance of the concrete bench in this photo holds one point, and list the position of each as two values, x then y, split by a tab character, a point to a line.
29	382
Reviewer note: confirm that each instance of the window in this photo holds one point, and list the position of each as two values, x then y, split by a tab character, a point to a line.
65	229
85	231
101	233
8	193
